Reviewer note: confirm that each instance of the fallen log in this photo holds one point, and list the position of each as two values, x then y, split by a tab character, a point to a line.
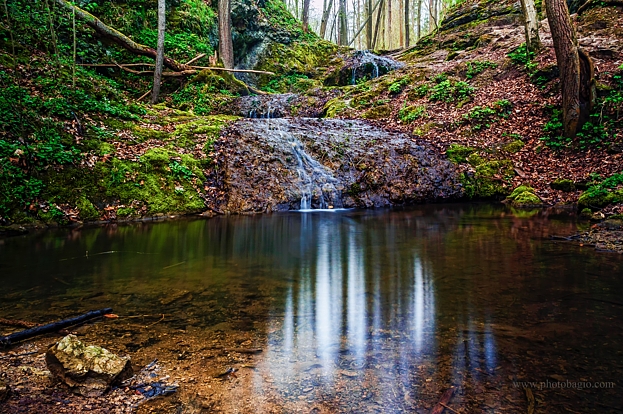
119	38
52	327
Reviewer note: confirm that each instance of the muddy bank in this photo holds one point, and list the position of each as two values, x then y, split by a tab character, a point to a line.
266	165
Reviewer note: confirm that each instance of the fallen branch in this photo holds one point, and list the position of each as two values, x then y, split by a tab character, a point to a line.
147	72
118	37
51	327
196	58
443	401
601	3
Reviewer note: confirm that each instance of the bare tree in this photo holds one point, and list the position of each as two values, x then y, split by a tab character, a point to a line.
531	23
160	51
407	21
226	45
576	69
343	26
369	24
326	13
305	17
419	20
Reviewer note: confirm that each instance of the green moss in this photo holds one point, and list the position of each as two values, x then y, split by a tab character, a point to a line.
378	112
514	146
598	200
335	107
125	212
586	212
524	196
458	153
489	181
411	113
563	184
87	210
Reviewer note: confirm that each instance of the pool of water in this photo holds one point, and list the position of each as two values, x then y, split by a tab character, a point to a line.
359	311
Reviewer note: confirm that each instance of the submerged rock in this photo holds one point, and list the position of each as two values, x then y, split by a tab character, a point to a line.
88	370
268	165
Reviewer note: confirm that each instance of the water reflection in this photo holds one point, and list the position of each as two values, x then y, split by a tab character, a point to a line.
371	311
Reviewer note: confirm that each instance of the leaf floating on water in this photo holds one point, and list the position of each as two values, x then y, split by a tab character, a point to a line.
111	316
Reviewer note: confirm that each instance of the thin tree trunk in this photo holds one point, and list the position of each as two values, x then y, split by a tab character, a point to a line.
407	21
118	37
73	68
576	69
52	32
226	45
306	15
343	35
378	24
419	20
8	23
531	22
389	25
369	24
160	52
326	13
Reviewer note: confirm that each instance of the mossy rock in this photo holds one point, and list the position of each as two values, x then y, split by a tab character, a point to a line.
513	147
524	196
378	112
563	184
600	199
87	210
458	153
335	107
489	180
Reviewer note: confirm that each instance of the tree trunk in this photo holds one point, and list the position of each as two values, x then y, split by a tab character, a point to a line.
226	45
419	20
343	35
118	37
326	13
306	15
389	43
369	24
531	22
160	52
407	28
576	69
378	24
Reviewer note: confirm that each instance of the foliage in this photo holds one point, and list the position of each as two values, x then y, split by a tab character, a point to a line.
451	91
475	67
481	117
399	85
411	113
523	196
522	56
601	193
458	153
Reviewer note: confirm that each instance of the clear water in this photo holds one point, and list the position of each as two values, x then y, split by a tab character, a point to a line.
363	311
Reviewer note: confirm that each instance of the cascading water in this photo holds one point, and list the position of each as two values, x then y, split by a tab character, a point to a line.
319	189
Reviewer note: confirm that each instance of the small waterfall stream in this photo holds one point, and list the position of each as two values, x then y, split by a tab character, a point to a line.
318	188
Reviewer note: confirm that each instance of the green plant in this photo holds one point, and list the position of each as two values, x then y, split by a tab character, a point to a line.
601	193
411	113
476	67
521	55
398	86
481	117
451	91
180	171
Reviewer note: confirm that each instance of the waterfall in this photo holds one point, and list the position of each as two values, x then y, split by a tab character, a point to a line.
318	188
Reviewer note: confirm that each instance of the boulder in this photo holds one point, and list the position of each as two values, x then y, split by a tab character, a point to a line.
88	370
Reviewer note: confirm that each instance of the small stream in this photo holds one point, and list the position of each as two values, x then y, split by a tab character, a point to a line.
357	310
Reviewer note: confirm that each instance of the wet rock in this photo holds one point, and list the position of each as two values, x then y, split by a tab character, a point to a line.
266	165
266	106
362	65
88	370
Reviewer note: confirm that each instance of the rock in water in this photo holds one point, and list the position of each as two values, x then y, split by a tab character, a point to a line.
88	370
